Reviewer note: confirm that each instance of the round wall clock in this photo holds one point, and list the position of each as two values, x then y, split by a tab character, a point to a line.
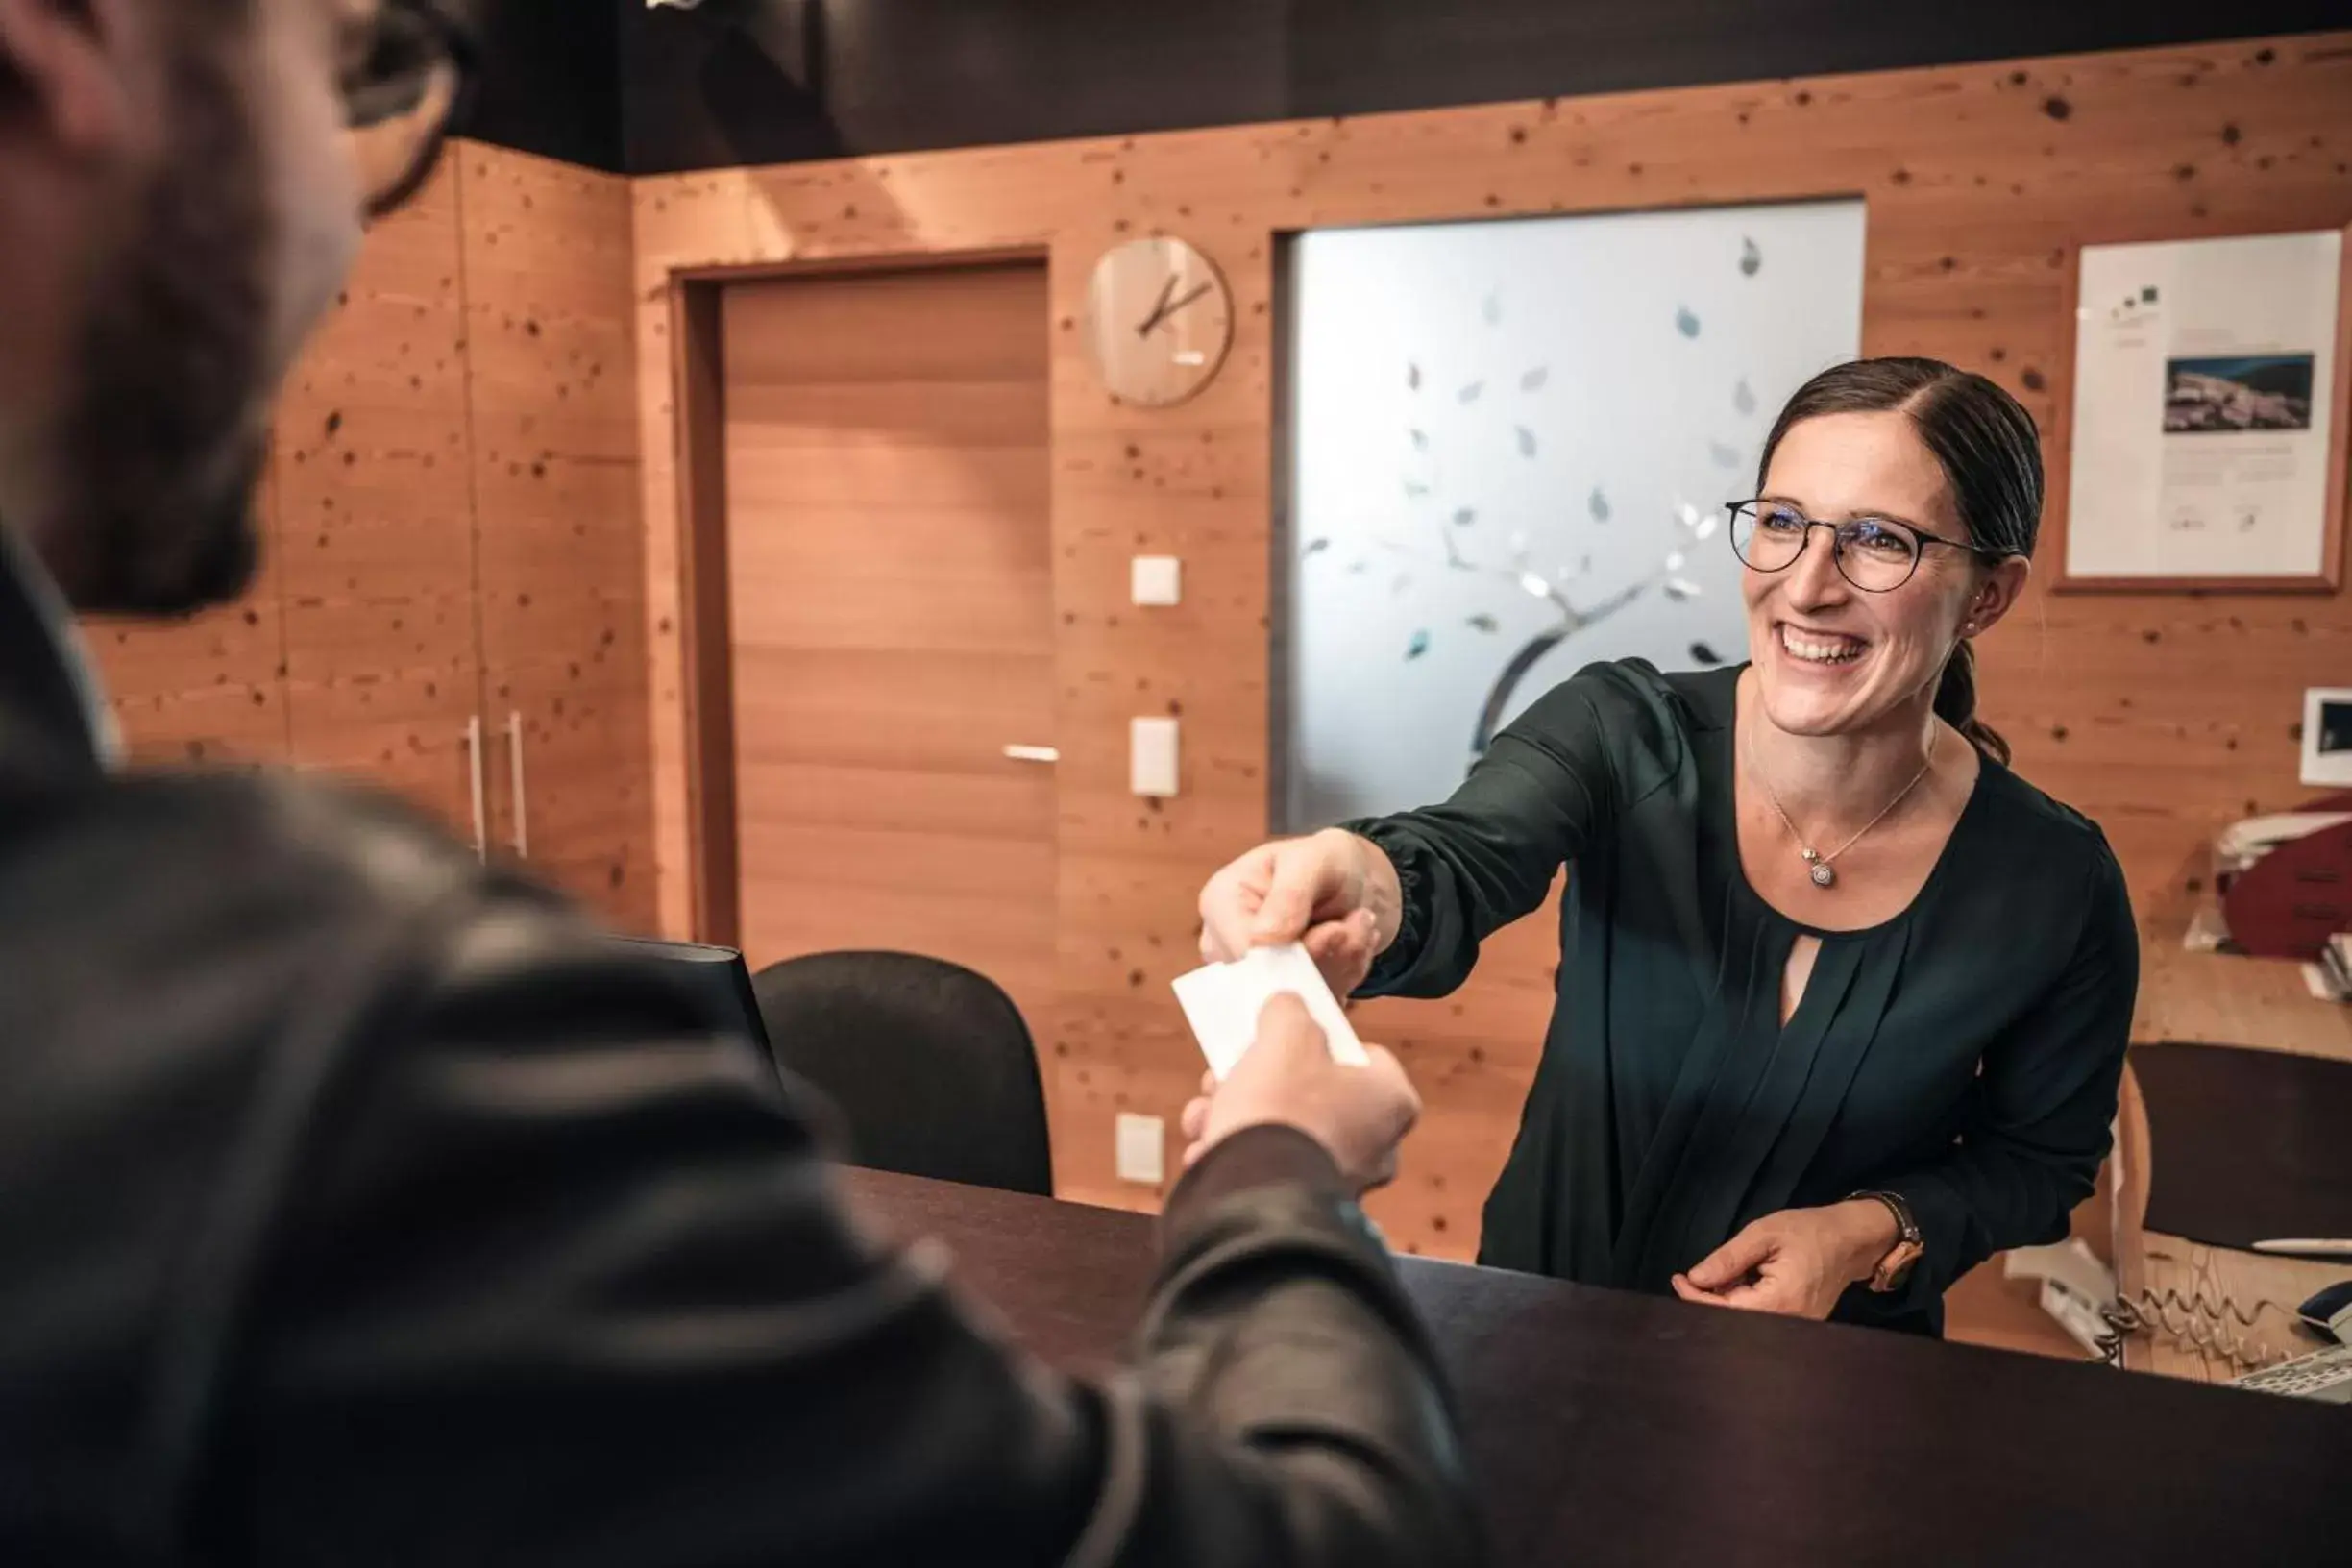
1158	320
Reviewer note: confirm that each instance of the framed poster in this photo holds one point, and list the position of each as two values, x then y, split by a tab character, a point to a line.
2211	381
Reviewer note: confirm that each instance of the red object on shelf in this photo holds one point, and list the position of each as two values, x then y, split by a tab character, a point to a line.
2287	903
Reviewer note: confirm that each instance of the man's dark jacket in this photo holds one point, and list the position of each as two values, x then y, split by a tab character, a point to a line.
359	1205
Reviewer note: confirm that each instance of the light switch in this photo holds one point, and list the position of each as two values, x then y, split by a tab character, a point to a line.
1151	757
1142	1145
1156	580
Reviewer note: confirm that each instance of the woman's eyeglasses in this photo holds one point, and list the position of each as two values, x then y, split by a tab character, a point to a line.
1876	554
402	96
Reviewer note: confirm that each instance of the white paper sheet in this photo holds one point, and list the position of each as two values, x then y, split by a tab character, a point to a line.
1222	1002
2204	373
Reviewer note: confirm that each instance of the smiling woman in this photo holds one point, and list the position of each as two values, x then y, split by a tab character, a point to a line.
1843	1000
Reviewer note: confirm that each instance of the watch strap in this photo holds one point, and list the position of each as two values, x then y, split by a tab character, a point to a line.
1895	1267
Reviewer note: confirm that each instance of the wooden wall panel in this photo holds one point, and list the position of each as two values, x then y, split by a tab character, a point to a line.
2163	717
454	528
375	520
210	690
551	388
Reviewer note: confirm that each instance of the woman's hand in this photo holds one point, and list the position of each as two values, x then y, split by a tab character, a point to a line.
1795	1262
1333	891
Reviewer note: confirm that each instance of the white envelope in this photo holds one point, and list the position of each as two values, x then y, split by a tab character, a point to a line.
1222	1002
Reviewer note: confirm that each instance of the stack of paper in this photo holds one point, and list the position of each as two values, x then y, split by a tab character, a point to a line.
2336	963
1222	1002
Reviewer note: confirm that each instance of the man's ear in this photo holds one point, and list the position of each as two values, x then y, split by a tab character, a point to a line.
69	71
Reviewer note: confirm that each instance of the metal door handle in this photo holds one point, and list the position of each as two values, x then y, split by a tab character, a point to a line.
481	820
522	799
1032	753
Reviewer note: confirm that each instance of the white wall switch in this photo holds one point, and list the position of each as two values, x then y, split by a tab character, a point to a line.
1143	1149
1155	580
1151	757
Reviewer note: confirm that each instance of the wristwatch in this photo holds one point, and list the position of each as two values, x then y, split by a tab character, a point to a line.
1894	1268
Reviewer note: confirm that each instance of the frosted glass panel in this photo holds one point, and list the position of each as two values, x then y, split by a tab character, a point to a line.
1512	444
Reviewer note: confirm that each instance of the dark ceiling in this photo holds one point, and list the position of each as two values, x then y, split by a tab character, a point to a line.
616	84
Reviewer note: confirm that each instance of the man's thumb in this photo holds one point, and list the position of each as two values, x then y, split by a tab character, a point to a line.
1286	1024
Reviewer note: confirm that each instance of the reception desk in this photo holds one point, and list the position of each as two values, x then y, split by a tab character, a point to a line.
1610	1428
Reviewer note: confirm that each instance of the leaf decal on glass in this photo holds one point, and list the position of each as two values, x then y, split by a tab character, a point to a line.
1482	621
1526	442
1751	259
1534	381
1470	393
1598	503
1685	323
1418	645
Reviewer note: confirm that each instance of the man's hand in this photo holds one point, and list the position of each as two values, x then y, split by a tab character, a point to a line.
1288	1078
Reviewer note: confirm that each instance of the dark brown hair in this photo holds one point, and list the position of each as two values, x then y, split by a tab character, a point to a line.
1991	454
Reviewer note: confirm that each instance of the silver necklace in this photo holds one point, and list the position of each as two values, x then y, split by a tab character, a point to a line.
1824	874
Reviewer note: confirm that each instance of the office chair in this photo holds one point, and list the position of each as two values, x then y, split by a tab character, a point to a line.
930	1064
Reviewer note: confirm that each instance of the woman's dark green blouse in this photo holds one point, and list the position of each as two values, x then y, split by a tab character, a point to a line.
1965	1054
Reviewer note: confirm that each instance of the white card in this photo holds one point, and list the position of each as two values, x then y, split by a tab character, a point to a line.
1222	1003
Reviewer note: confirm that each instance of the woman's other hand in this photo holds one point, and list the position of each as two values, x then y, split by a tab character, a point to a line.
1333	891
1795	1262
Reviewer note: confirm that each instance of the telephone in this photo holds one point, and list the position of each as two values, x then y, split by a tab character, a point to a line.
2079	1291
2325	1375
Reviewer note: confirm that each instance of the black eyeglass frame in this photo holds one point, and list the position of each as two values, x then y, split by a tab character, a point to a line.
1837	544
414	38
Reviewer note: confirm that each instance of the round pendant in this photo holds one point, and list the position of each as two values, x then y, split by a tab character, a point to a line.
1823	875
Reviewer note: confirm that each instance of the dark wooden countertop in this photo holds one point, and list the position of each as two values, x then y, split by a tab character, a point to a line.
1612	1427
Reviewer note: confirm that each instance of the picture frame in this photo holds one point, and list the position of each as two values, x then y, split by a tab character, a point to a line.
2182	454
2327	737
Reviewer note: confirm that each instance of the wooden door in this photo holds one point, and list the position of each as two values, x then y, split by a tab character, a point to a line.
890	588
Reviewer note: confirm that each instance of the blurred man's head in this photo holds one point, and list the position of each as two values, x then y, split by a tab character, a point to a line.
183	184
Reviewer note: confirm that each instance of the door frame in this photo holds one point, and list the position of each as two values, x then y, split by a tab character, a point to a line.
698	386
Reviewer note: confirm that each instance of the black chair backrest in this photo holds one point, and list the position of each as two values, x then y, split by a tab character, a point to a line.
929	1063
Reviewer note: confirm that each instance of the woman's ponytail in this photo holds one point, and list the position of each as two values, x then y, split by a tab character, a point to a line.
1956	703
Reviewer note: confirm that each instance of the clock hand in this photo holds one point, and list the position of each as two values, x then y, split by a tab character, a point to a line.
1187	299
1160	310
